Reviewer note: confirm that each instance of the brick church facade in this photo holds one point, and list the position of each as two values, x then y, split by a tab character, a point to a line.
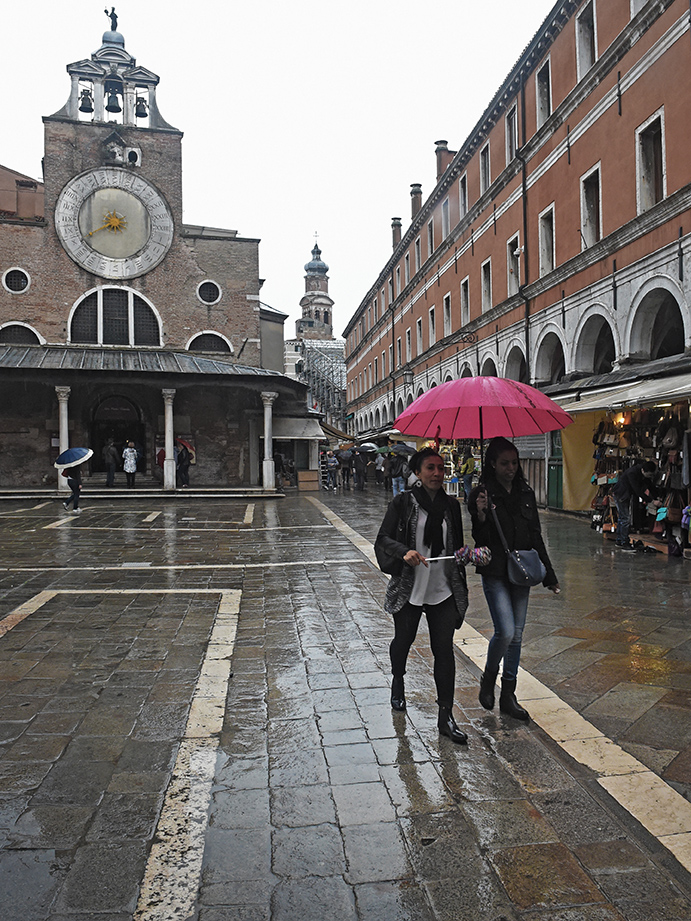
118	320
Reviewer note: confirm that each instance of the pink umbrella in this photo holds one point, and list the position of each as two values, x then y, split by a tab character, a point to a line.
481	407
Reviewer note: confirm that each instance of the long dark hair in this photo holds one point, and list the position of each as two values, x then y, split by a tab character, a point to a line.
496	447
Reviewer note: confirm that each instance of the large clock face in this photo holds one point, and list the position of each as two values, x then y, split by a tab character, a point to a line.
113	223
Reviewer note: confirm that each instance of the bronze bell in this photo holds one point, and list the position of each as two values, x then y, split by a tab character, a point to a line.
140	109
87	103
113	104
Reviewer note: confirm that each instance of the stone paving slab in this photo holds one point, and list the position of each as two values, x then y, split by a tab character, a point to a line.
128	791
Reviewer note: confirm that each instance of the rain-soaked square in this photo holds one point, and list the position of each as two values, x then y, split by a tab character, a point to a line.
208	734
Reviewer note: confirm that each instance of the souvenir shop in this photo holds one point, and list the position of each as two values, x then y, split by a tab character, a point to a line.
638	424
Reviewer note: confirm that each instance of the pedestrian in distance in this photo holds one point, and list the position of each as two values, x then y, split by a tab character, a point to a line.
331	470
111	458
183	462
466	470
379	470
130	458
420	523
74	481
399	473
505	497
360	470
345	461
634	483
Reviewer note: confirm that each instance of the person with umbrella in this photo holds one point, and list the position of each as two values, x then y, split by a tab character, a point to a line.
505	501
345	462
420	523
68	463
74	481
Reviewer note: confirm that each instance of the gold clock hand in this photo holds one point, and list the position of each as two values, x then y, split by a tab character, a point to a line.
113	222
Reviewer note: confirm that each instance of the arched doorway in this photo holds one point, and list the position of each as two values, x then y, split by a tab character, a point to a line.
550	364
596	351
117	418
515	366
658	328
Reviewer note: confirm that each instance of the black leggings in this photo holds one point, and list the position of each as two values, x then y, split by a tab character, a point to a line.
441	621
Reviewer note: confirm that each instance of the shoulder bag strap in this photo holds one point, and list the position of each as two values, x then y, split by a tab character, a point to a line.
498	526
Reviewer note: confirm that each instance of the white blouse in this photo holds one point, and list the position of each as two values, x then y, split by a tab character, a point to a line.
431	584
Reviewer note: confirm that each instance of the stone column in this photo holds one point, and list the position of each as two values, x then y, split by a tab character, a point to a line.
268	467
169	462
63	394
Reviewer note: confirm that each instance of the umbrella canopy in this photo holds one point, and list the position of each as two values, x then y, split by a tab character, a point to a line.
398	448
367	446
482	407
72	457
344	454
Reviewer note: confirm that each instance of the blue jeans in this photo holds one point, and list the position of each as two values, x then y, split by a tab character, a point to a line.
467	485
623	522
508	606
397	484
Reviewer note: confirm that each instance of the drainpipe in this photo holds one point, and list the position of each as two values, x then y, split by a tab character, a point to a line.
525	275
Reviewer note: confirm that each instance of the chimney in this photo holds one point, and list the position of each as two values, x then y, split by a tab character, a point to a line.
444	157
396	230
416	198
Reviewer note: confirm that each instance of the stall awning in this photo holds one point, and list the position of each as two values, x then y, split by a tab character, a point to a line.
646	392
285	428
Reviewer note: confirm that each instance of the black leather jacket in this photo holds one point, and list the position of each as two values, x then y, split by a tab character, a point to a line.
397	536
519	520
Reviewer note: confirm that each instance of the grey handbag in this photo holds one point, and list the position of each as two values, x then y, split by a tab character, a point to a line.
523	567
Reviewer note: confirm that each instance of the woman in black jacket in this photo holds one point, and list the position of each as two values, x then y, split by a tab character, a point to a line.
504	488
421	523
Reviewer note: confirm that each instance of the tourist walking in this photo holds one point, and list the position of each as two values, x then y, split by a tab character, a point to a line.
399	471
504	504
420	523
74	481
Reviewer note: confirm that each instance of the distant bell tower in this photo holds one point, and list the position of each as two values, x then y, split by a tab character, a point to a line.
317	306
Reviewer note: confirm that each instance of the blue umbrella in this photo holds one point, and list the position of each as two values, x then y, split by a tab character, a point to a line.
72	457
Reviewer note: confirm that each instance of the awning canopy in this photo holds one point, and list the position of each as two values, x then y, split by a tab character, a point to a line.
647	392
286	428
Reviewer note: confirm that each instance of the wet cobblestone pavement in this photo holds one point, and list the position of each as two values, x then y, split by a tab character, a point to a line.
195	724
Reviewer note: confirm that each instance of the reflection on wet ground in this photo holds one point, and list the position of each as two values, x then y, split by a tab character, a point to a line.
195	722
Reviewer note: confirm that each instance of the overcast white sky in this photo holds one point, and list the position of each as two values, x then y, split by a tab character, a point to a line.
298	116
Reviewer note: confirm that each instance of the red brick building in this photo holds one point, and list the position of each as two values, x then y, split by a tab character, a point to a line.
118	320
557	237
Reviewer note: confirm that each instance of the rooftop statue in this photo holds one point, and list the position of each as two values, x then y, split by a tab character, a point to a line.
113	18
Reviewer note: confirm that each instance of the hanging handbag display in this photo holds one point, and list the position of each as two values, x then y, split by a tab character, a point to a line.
523	567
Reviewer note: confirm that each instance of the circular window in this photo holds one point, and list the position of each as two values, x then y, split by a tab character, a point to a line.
209	292
16	281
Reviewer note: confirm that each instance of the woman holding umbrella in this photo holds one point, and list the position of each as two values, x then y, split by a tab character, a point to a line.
421	523
505	501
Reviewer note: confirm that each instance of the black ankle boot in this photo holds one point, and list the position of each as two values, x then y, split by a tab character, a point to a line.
508	703
447	726
487	683
397	694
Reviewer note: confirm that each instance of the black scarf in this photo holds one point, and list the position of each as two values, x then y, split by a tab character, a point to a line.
435	508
